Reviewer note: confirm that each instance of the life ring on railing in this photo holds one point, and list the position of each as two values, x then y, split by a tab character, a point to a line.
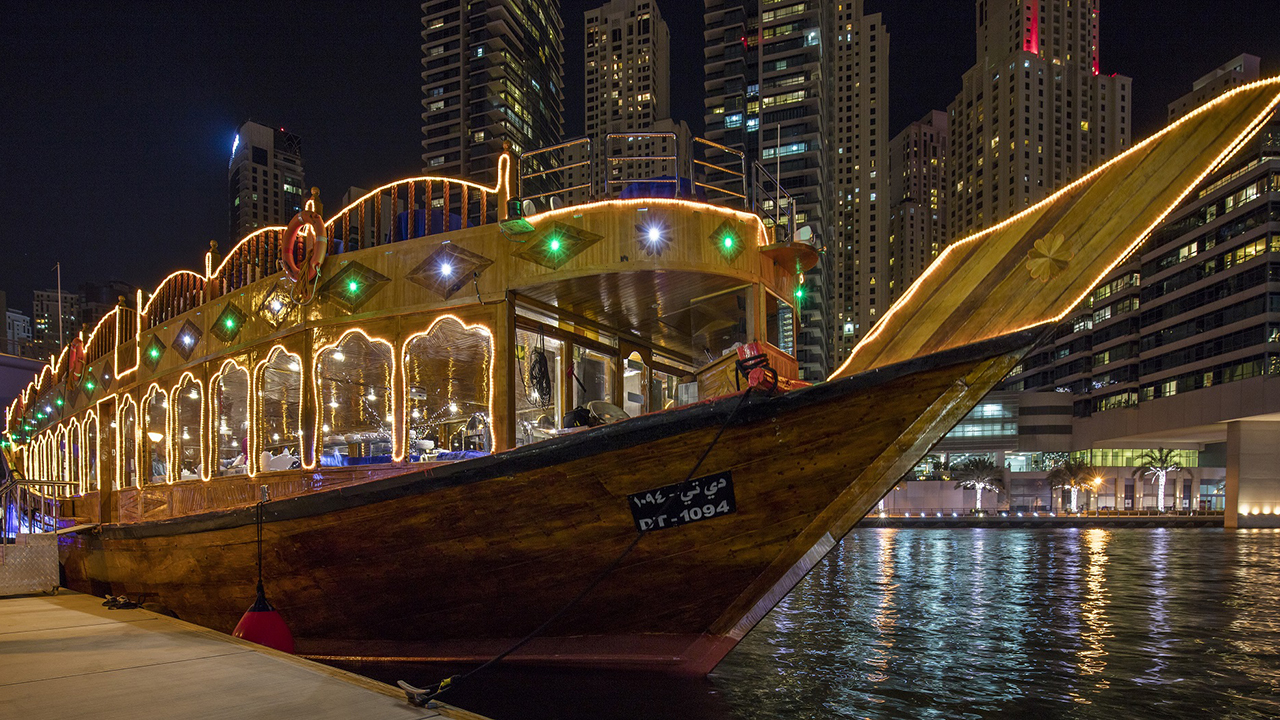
75	363
304	234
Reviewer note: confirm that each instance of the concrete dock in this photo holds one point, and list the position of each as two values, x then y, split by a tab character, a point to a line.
66	656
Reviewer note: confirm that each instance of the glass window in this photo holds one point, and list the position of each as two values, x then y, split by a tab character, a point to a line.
717	322
356	421
279	411
593	374
91	453
635	377
107	453
779	326
540	364
71	456
129	443
155	437
662	391
189	404
447	372
231	413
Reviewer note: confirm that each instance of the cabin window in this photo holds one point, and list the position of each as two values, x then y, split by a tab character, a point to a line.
279	410
107	425
779	324
129	443
717	322
540	364
155	436
662	391
231	413
188	401
354	382
91	452
447	376
635	379
594	375
71	456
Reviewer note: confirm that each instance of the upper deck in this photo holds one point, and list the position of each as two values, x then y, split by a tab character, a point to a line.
441	321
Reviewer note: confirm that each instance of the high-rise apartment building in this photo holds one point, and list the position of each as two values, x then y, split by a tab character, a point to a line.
860	161
918	159
1035	112
491	72
628	90
802	89
1242	69
265	182
45	327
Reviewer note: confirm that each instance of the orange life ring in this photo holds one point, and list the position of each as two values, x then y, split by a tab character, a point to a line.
75	362
315	246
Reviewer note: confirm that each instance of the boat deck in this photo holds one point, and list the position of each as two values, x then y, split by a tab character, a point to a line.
66	656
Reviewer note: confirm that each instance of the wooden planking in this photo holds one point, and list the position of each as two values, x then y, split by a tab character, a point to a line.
66	656
981	288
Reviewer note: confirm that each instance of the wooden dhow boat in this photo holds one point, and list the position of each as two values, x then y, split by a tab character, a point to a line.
404	408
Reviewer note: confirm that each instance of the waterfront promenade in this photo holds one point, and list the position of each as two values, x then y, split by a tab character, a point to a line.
66	656
1004	519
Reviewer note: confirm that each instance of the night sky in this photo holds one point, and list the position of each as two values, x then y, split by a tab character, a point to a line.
119	120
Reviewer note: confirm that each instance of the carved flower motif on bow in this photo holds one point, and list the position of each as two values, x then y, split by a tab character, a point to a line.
1049	257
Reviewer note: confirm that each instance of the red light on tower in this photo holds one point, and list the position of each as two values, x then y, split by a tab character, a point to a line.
1031	37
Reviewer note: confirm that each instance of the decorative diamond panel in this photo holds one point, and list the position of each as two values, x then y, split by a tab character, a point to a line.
353	286
153	351
557	245
90	384
725	238
445	271
186	340
108	377
275	307
229	322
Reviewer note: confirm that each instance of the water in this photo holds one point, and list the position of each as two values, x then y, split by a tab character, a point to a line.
1077	623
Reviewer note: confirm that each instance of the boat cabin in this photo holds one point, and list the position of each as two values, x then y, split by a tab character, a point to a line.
449	319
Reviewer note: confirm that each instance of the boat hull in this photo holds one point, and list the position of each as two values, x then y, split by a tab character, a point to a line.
457	562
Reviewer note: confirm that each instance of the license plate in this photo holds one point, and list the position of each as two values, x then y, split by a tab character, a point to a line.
681	503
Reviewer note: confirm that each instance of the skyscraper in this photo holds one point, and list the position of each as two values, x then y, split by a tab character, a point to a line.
801	88
265	182
1035	112
628	89
918	159
491	72
860	171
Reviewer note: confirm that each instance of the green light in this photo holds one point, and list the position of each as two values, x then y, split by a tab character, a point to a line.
230	323
58	402
154	352
90	385
800	293
555	244
728	242
39	416
353	286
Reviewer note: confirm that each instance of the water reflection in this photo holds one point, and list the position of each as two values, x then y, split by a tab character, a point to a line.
1010	624
976	624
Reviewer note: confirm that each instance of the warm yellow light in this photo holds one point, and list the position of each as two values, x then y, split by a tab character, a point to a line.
155	436
762	233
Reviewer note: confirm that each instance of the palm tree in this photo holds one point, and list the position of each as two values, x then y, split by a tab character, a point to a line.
980	474
1074	474
1159	464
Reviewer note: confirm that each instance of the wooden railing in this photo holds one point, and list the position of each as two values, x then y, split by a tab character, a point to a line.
180	292
103	340
255	257
411	208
